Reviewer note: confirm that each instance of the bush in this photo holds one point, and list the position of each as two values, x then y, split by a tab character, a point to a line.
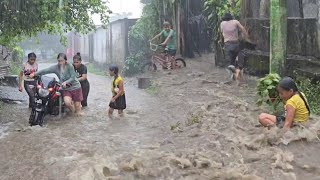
17	60
17	54
312	92
134	63
267	92
15	68
144	29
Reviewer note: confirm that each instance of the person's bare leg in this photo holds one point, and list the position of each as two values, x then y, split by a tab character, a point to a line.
110	112
237	76
120	112
173	62
68	102
78	108
267	120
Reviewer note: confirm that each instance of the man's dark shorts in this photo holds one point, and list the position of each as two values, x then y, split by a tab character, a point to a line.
231	51
280	121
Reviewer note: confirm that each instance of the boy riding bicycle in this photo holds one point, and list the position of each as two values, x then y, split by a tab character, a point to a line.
169	43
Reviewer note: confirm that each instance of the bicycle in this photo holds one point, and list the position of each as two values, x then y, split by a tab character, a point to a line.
164	60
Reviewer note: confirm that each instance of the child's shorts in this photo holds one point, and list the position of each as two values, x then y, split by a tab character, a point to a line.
280	121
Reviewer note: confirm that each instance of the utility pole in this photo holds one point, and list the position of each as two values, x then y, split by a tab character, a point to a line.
278	35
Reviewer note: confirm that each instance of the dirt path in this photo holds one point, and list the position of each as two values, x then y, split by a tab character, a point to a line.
189	125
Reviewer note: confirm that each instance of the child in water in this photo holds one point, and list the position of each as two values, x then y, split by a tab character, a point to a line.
296	106
118	100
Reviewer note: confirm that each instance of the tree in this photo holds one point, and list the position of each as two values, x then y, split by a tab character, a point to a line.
20	18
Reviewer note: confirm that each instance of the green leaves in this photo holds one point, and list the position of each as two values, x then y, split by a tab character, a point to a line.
144	29
267	91
21	18
215	9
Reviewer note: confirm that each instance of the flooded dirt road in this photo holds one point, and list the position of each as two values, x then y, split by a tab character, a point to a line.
188	125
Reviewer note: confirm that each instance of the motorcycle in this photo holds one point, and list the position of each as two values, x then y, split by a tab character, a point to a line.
48	100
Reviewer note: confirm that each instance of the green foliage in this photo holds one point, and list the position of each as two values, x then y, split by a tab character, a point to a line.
17	54
215	9
15	68
133	63
194	119
20	18
267	91
139	35
312	92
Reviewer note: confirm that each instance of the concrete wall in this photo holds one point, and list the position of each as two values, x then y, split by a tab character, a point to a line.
303	44
99	46
84	48
118	40
107	46
302	35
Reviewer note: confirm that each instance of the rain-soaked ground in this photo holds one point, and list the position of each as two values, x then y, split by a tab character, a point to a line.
188	125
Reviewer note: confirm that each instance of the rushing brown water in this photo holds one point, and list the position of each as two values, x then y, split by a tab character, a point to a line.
189	125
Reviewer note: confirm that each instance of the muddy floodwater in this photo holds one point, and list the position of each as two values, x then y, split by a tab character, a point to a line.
191	124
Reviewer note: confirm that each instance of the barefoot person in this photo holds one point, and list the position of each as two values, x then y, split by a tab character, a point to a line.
81	71
230	28
28	68
296	106
72	92
118	100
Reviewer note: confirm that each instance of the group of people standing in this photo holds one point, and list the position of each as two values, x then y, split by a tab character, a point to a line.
73	78
74	81
76	85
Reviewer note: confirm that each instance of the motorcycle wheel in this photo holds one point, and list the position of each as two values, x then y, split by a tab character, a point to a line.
40	118
36	118
33	118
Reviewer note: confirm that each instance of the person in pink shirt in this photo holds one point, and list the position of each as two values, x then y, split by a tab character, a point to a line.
230	29
28	68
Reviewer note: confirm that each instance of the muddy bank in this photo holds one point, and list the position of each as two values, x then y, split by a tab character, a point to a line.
190	124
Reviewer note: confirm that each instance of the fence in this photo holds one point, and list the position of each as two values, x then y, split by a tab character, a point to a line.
105	46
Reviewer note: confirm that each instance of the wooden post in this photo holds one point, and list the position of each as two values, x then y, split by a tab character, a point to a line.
178	28
278	36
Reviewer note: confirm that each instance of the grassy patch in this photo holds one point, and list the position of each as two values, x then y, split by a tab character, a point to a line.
194	119
94	70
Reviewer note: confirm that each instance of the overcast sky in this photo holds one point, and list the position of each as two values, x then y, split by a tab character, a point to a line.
119	6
